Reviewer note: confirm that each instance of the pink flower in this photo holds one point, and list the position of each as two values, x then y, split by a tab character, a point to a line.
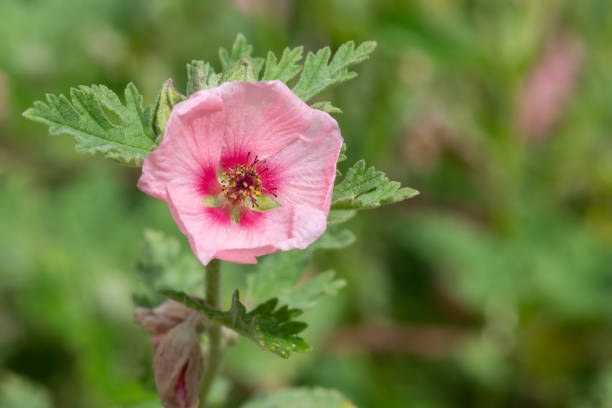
246	169
549	87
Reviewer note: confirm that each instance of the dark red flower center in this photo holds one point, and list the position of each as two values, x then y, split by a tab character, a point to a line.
242	181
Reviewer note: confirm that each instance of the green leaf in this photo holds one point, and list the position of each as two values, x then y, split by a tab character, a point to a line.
201	75
302	397
276	273
319	74
282	274
241	50
340	216
306	295
99	122
241	70
287	68
271	328
167	98
163	265
335	239
342	157
326	106
367	188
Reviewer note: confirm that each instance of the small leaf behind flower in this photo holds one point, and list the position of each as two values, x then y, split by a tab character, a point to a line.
163	264
201	75
273	329
340	216
167	98
241	50
326	106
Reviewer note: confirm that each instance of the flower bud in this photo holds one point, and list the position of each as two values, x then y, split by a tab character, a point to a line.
178	366
157	322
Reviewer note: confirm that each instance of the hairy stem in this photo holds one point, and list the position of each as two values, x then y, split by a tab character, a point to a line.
215	346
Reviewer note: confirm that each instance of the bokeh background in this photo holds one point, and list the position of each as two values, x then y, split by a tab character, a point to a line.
493	288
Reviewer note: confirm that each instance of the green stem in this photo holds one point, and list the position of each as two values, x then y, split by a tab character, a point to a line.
215	346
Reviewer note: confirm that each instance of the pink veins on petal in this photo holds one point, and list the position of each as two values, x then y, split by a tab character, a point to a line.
231	151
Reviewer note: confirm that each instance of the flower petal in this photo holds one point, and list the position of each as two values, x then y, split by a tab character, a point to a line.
262	117
190	144
306	169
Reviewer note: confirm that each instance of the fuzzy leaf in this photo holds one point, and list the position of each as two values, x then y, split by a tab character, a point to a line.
241	70
367	188
99	122
335	239
287	68
167	98
342	157
163	265
340	216
241	50
281	274
319	74
276	273
301	398
306	295
201	75
273	329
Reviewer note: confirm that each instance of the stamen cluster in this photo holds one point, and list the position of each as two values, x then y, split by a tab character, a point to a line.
242	181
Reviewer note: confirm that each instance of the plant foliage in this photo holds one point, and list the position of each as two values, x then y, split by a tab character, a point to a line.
273	329
99	122
366	188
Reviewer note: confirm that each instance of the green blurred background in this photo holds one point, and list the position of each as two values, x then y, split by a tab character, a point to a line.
492	288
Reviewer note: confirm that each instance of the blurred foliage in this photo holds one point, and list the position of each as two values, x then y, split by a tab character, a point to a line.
489	289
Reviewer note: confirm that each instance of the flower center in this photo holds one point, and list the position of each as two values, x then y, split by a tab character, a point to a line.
242	181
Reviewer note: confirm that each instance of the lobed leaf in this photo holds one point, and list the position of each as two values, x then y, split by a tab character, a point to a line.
306	295
342	157
273	329
241	50
99	122
242	70
163	265
367	188
201	75
319	74
167	98
287	68
340	216
281	274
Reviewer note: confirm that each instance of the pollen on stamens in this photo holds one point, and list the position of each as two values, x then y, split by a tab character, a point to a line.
243	181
